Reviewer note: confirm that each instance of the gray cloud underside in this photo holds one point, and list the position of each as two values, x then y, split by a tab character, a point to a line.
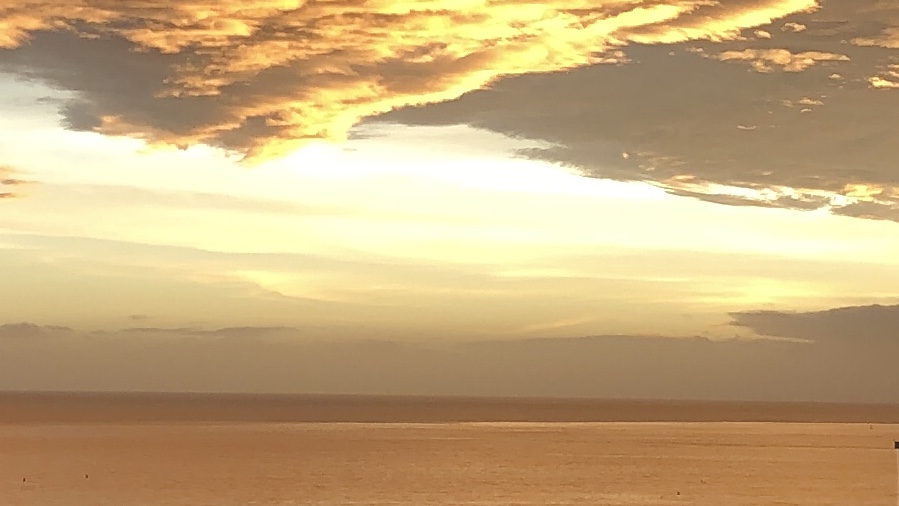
807	106
113	80
864	327
252	359
260	80
682	114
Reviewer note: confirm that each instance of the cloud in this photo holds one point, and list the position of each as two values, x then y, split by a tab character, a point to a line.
888	79
871	328
794	27
8	179
240	333
889	38
797	202
261	80
877	210
765	60
612	366
31	331
795	135
882	83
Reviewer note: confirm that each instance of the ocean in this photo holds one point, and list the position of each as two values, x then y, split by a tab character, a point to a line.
113	451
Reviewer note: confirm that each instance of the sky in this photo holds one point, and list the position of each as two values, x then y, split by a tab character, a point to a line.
686	199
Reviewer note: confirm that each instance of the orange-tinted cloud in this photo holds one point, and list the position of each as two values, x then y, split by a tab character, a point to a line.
889	38
766	60
888	79
262	77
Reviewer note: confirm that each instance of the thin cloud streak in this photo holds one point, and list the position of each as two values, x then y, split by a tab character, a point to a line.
8	179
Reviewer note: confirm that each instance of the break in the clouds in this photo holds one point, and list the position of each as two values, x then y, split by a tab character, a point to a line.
796	113
261	78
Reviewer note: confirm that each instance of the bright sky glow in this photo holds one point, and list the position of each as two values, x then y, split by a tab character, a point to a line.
559	170
401	222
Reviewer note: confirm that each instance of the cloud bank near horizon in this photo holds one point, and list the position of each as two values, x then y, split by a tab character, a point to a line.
832	366
866	327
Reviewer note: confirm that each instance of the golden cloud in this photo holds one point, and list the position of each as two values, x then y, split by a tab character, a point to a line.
883	84
794	27
889	39
889	79
864	192
765	60
280	72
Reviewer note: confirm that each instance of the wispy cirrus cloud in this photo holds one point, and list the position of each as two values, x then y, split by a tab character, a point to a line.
262	79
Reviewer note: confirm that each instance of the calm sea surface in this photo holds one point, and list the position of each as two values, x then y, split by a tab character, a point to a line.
248	463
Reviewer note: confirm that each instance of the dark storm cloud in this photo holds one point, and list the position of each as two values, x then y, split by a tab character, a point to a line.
798	112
